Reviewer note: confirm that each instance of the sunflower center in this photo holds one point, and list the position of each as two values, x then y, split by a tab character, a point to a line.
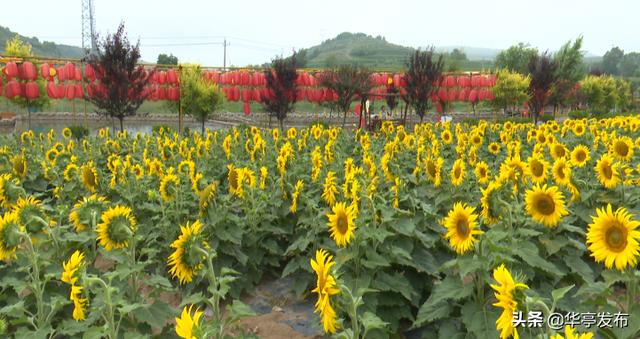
580	156
89	177
622	149
546	205
343	224
483	172
457	172
560	172
559	151
18	164
536	169
463	228
431	169
616	238
606	171
233	180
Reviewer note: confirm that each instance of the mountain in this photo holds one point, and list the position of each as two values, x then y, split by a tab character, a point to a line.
41	49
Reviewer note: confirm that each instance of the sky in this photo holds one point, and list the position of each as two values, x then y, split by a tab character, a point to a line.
257	31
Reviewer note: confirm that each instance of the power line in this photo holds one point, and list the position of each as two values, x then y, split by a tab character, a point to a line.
185	44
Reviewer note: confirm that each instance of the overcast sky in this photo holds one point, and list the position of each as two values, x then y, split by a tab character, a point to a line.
258	30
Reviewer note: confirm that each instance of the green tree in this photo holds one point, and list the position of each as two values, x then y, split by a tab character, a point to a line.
611	61
511	88
570	70
630	64
349	82
624	93
459	54
124	82
331	61
515	58
20	49
422	73
604	91
454	60
200	97
164	59
301	58
281	83
542	71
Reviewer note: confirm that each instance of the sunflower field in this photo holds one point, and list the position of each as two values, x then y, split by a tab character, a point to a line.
465	231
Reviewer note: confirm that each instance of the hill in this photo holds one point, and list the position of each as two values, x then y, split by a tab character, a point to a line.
42	49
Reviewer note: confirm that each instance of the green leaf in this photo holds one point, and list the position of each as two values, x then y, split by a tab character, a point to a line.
577	265
239	310
374	260
529	253
159	280
135	335
94	332
449	330
291	267
424	261
404	225
612	276
432	311
131	307
156	314
451	288
194	298
371	321
593	289
396	283
479	321
554	245
558	294
25	332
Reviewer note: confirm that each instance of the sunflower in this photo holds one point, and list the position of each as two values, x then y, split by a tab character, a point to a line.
494	148
462	227
66	133
51	155
276	134
325	289
482	172
263	176
156	167
342	224
330	190
20	165
537	169
568	330
434	170
580	156
26	137
9	226
578	129
294	197
207	195
446	136
137	171
188	258
507	295
117	226
31	214
476	139
86	212
458	172
614	238
607	170
541	137
622	148
489	216
558	151
292	133
545	205
186	326
71	267
89	176
169	185
71	172
561	172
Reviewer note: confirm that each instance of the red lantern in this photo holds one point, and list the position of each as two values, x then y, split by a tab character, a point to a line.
237	78
300	94
312	81
11	70
473	95
236	93
257	97
71	92
32	89
44	70
90	73
162	93
256	80
453	94
69	71
311	94
490	95
246	108
52	90
79	91
215	77
439	107
475	81
493	80
15	88
172	77
8	93
23	90
451	81
162	78
442	94
482	95
174	92
265	93
21	73
246	94
358	109
318	95
78	75
484	82
462	96
29	71
62	76
62	91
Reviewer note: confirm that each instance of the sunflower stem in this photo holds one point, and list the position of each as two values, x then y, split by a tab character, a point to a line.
632	284
545	310
36	286
107	296
508	206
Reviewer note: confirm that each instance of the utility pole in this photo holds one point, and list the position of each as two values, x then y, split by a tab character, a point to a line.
225	53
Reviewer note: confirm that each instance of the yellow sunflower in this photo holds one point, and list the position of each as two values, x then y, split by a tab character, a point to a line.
561	172
9	226
330	189
292	133
71	172
458	172
263	176
489	216
434	170
169	185
607	170
558	151
568	330
86	212
66	133
614	238
446	136
545	205
622	148
494	148
116	228
20	165
207	195
188	258
137	170
342	224
507	294
51	155
186	326
235	187
482	172
537	169
325	288
294	197
580	156
89	176
71	267
578	129
462	227
31	215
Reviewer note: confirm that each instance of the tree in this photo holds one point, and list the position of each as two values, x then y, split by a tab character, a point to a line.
542	70
623	88
19	49
164	59
459	54
515	58
570	71
604	91
301	58
510	89
611	61
281	82
454	60
115	64
200	97
422	75
349	82
630	64
331	61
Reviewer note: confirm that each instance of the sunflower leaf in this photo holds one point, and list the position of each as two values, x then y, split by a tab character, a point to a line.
529	253
432	311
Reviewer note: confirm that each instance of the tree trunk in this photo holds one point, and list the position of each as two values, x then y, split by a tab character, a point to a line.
421	117
121	125
202	128
344	119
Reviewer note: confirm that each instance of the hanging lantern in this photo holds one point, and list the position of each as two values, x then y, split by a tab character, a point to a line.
172	77
79	91
32	89
162	78
15	88
473	95
237	78
246	108
8	93
154	92
300	94
257	97
21	74
236	93
52	90
451	81
484	82
482	94
265	93
11	70
71	92
453	94
493	80
30	71
396	80
312	81
311	94
69	71
442	94
246	94
61	74
490	95
90	73
439	107
256	81
475	81
462	96
245	78
162	93
319	95
358	109
78	75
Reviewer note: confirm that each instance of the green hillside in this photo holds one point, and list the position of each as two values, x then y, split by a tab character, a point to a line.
42	49
375	53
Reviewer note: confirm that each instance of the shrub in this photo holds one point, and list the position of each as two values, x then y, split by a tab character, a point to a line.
78	132
577	115
599	112
470	121
546	117
520	120
319	122
165	127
